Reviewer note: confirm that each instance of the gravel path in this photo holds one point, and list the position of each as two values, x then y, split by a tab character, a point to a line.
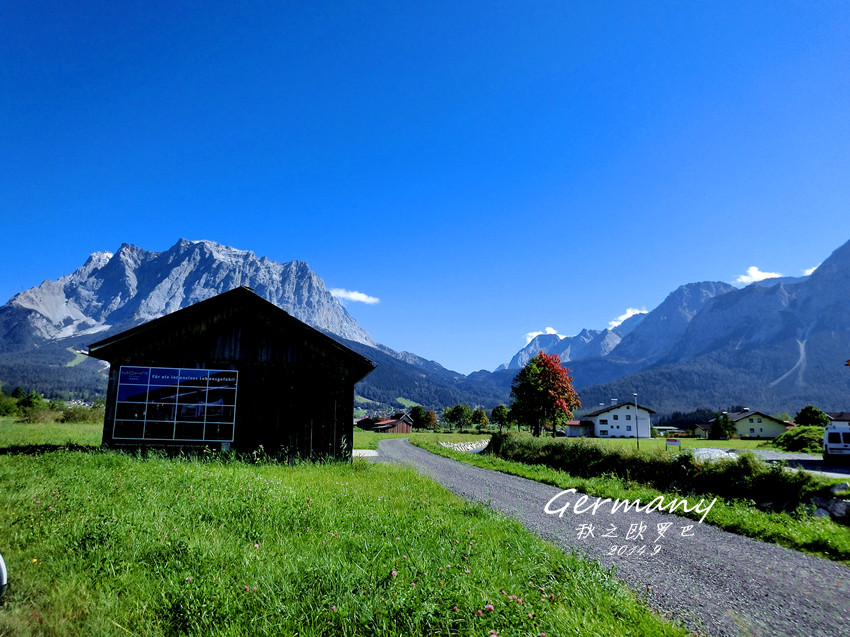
715	583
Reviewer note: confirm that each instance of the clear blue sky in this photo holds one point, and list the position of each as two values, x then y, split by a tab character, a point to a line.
484	169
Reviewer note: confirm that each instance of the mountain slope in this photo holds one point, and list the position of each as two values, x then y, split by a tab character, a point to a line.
774	347
40	328
111	292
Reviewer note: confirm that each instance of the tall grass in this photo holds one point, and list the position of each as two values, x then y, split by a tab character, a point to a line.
795	529
371	439
21	434
746	478
104	543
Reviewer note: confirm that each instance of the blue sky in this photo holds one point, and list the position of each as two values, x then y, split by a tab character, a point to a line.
483	169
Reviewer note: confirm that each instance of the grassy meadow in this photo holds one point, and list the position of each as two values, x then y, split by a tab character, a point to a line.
107	543
18	434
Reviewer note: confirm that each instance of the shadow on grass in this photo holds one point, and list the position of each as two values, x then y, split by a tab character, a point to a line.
36	450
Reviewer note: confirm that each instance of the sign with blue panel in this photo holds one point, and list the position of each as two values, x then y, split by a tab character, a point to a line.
175	404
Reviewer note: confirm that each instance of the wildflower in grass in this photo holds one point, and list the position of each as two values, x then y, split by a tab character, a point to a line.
256	546
333	608
247	588
454	608
503	591
479	612
413	584
394	573
189	579
489	607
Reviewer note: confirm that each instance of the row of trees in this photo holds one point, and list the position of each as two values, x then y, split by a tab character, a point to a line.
543	398
30	406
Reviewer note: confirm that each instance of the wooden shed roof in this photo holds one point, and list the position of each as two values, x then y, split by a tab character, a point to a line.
243	298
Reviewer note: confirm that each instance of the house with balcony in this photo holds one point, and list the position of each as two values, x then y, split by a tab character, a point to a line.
621	420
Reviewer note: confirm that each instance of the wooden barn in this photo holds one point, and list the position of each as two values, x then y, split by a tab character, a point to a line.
233	371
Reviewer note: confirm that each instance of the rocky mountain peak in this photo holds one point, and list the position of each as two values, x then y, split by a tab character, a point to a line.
113	291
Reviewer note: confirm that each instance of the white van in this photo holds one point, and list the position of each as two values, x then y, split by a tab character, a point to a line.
836	442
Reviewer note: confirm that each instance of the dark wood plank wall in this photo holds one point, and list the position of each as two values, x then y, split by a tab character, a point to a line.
294	396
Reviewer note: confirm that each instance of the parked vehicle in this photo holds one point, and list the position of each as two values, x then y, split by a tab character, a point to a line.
836	442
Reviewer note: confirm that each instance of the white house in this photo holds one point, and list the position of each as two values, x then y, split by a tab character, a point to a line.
839	417
621	420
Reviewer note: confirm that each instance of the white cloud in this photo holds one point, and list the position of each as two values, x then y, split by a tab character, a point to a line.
549	330
754	274
352	295
626	315
808	271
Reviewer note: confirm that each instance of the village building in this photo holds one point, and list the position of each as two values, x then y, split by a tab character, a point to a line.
231	372
621	420
756	424
578	429
401	425
839	417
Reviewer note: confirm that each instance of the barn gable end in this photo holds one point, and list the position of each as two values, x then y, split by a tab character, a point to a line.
233	371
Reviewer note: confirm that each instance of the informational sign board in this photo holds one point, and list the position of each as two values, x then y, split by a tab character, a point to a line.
175	404
674	442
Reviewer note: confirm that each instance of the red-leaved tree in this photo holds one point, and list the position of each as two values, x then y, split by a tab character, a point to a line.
543	393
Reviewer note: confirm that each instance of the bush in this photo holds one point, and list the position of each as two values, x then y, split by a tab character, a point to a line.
35	414
8	406
806	439
79	413
746	478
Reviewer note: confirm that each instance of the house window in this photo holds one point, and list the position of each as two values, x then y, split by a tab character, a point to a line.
752	431
616	417
760	430
628	416
628	427
603	432
751	419
618	426
758	420
603	421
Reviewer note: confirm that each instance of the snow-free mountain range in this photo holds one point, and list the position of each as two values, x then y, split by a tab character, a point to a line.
775	345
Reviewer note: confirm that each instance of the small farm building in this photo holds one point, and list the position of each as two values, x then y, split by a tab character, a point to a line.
233	371
400	425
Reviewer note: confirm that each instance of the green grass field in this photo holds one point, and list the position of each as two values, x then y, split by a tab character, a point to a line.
14	434
106	543
370	439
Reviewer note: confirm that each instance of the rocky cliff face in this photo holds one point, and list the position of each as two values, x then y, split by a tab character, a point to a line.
111	292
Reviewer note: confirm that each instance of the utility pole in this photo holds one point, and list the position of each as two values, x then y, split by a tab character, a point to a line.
637	424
